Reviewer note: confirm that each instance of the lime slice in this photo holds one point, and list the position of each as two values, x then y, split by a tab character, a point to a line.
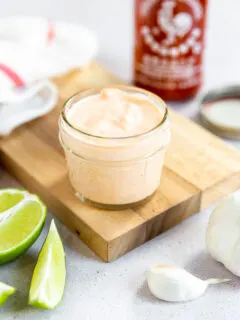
48	281
22	216
5	292
10	197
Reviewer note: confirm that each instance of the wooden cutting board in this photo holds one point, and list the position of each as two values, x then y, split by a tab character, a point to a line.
199	169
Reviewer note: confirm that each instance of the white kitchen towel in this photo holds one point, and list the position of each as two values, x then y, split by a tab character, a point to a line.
33	48
27	107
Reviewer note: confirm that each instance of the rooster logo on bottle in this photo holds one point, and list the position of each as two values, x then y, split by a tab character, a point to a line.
176	27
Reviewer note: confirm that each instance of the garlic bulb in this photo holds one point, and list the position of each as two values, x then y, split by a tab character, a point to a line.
175	284
223	233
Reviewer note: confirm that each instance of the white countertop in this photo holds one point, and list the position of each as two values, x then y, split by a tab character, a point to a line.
96	290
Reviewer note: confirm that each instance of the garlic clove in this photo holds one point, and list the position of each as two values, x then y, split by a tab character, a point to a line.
176	284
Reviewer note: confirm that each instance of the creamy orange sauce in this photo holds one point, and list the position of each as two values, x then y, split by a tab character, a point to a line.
114	113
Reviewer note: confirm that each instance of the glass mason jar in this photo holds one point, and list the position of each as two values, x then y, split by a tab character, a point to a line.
114	173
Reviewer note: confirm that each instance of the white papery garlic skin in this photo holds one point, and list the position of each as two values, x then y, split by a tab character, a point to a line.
175	284
223	233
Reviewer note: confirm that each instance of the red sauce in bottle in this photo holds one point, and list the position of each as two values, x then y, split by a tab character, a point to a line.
169	42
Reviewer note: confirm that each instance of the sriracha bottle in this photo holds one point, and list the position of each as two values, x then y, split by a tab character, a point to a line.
169	42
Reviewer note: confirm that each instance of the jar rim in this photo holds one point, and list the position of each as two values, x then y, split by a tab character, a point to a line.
87	92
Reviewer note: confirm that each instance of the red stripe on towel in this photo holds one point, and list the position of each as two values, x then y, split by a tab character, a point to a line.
11	74
50	33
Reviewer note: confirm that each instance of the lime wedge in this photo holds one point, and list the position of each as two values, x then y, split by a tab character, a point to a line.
5	292
22	216
48	281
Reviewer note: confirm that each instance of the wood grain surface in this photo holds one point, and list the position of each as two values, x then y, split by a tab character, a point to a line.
199	170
